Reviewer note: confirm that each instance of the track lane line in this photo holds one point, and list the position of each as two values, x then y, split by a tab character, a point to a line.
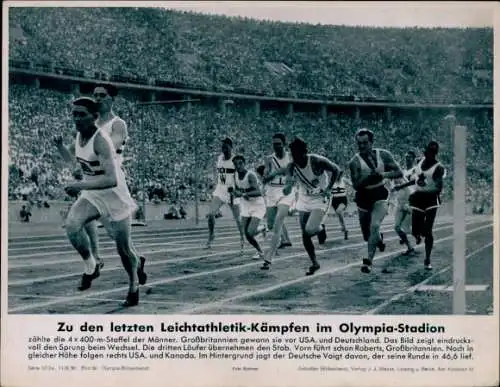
415	287
269	289
239	267
149	263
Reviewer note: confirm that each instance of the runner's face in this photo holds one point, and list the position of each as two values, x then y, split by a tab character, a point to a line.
278	146
239	165
83	119
431	151
226	149
410	159
298	156
364	144
103	99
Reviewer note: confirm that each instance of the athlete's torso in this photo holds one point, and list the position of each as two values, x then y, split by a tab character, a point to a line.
366	171
225	171
107	127
426	176
403	194
244	183
89	161
309	183
275	164
339	189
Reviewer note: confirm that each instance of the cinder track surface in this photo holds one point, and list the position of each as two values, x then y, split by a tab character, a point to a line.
184	278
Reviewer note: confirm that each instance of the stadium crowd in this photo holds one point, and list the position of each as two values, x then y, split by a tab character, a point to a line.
173	147
181	144
272	58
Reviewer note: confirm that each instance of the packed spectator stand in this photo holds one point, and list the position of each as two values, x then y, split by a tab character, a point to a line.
190	51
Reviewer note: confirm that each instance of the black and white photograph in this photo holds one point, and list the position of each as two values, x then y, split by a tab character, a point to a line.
242	158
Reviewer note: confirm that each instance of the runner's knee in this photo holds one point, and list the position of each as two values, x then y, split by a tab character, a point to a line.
73	225
365	230
311	231
249	233
426	233
374	228
124	250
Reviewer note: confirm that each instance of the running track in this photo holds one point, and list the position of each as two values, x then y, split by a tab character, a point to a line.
186	279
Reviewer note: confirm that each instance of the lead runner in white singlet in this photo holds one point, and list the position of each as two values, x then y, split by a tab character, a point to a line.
116	128
104	195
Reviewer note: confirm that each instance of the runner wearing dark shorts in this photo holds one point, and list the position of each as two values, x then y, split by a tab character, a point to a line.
369	170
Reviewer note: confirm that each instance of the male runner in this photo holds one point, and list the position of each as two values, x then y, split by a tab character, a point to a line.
116	128
225	180
108	121
252	205
278	204
103	195
402	217
369	170
309	171
90	228
339	201
425	201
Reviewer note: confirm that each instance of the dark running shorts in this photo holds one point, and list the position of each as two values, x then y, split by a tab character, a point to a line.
366	198
336	202
424	201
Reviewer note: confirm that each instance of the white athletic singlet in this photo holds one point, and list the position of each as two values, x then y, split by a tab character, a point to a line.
276	163
309	183
254	207
108	128
409	174
366	170
274	189
430	183
401	196
89	161
244	184
225	171
115	203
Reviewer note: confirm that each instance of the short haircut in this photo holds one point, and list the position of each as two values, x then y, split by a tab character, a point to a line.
260	170
110	89
365	132
434	144
281	136
87	103
238	157
298	144
228	141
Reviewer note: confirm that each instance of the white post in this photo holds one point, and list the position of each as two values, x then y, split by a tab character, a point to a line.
196	177
459	190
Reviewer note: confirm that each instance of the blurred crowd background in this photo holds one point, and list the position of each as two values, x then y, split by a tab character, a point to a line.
216	53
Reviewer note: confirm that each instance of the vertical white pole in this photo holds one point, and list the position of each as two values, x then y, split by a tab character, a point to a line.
459	189
197	176
143	163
